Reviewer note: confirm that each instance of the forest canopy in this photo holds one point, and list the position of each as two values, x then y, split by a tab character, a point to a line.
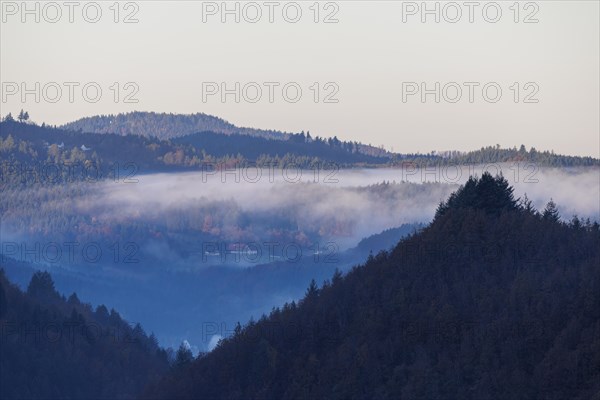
491	300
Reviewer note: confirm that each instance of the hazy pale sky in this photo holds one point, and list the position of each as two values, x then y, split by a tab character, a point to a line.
374	61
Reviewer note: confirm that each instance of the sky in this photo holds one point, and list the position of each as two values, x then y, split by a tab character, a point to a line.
369	71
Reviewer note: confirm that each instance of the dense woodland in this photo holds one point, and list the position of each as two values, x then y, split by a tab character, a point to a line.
41	154
55	347
34	154
492	300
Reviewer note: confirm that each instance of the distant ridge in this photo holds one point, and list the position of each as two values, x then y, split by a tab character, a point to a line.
218	137
164	126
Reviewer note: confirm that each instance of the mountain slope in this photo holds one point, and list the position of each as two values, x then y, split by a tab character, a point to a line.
492	300
57	348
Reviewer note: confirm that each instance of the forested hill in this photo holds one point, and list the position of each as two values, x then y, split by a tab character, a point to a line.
491	300
31	146
57	348
298	149
495	154
168	126
164	126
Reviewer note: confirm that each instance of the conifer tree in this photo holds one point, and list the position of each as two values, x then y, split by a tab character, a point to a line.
551	212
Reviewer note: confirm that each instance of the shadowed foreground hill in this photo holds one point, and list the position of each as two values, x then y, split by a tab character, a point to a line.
492	300
54	348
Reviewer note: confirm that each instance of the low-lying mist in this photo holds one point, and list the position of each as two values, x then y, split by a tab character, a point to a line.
184	216
152	233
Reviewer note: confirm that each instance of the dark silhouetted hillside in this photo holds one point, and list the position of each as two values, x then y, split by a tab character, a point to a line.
57	348
493	300
297	147
385	240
